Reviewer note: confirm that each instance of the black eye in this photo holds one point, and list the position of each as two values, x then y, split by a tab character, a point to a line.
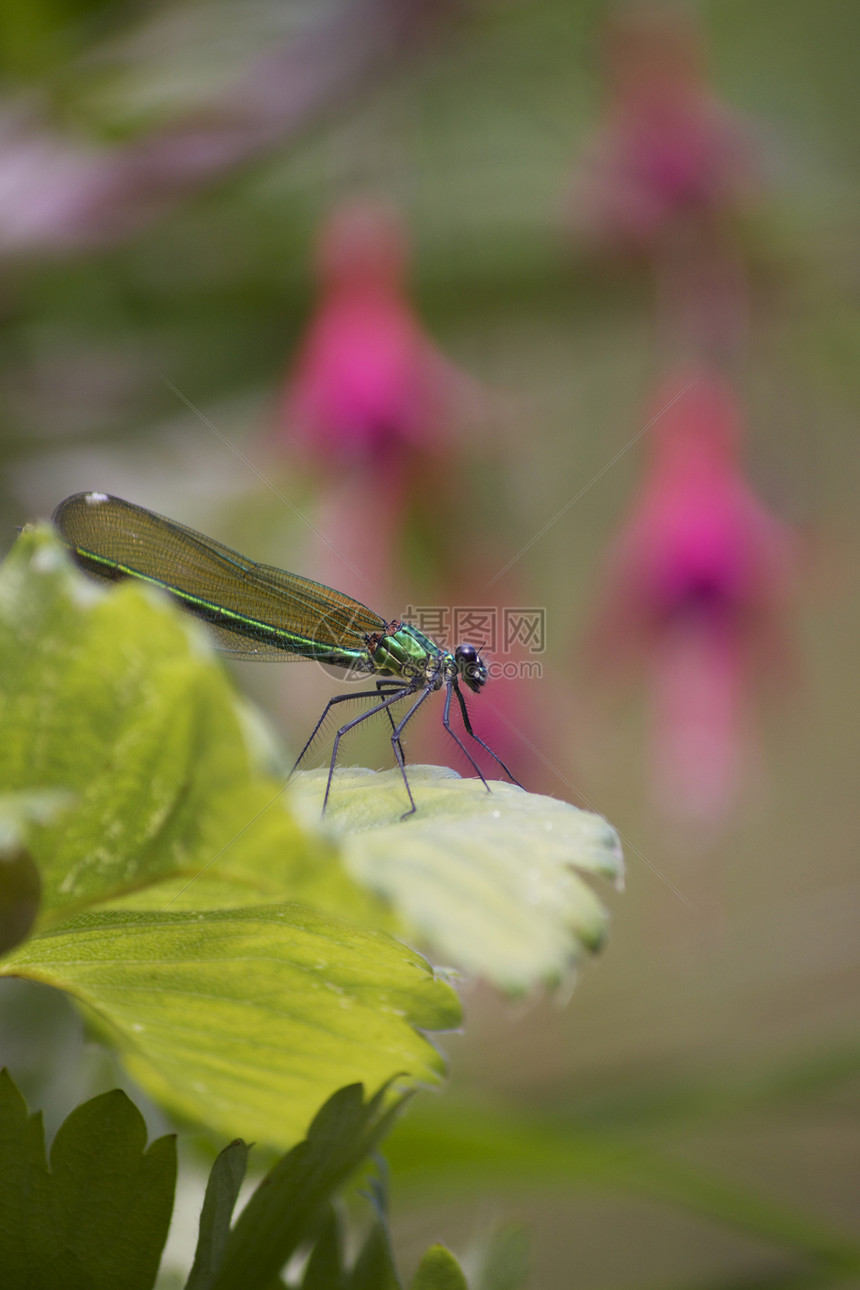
466	654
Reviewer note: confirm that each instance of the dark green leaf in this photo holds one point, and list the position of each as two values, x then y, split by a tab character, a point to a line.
222	1191
290	1203
325	1269
374	1268
99	1217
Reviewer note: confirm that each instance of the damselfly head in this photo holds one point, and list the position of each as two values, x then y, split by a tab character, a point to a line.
471	667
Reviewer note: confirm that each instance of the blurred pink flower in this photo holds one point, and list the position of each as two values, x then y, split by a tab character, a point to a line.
668	152
367	382
371	402
695	588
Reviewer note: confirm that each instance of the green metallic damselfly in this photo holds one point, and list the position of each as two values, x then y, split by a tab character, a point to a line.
256	611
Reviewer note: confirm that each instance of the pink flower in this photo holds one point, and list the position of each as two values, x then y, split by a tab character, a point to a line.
371	404
668	151
695	589
367	382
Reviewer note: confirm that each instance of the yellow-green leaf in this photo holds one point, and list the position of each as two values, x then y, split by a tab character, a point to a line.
248	1018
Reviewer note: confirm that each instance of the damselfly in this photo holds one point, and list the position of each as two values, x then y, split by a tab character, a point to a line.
256	611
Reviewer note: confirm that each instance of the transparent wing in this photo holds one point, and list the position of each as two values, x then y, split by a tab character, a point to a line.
254	610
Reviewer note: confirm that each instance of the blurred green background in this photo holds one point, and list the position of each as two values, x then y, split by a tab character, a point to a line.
720	1028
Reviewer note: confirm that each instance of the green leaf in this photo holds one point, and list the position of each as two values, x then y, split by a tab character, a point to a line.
505	1261
222	1191
116	699
324	1270
294	1197
245	1018
374	1268
99	1217
102	694
492	881
439	1270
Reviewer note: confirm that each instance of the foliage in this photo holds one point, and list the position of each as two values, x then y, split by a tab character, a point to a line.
172	869
491	880
98	1216
234	947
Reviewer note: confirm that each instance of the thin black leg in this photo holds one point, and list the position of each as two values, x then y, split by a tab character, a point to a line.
446	722
397	731
381	687
469	731
344	698
402	693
